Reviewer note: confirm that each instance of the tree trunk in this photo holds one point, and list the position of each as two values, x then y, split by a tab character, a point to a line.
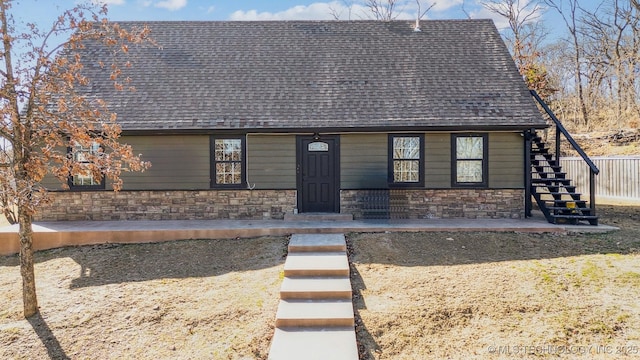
578	78
29	298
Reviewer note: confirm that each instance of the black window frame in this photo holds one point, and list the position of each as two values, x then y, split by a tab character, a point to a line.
74	187
213	161
485	161
390	168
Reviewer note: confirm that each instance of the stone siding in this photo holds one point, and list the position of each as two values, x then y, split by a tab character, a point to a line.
273	204
436	204
168	205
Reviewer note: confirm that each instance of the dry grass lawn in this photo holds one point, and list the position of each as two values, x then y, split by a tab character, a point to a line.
416	296
492	295
3	221
208	299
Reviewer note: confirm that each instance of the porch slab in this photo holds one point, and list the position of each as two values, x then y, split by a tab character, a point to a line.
314	344
49	235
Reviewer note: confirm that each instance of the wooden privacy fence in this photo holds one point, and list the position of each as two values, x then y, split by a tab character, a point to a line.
619	178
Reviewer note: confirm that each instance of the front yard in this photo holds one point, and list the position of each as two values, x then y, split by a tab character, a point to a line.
208	299
417	295
494	295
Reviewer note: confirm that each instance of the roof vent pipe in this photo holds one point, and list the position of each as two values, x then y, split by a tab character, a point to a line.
417	28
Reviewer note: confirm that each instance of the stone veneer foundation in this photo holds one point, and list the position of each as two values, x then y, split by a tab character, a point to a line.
168	205
434	204
273	204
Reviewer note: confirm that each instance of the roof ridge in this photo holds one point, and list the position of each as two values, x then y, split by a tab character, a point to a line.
302	21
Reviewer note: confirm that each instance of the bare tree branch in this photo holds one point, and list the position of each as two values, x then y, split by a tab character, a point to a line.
422	14
382	9
334	13
54	116
464	10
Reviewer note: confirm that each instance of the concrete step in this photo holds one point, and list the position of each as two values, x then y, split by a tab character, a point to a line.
314	344
315	313
317	288
316	264
317	242
318	217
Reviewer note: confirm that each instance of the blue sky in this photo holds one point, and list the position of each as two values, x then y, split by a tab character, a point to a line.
42	12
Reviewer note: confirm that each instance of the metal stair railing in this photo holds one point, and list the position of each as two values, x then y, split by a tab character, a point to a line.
560	130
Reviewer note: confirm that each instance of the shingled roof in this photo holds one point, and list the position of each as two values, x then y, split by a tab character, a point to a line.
339	75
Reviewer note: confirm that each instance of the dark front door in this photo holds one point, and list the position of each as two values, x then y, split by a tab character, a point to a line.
318	174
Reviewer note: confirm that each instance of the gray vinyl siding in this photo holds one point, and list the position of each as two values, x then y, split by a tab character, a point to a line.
271	161
437	153
50	182
363	161
506	161
178	162
182	162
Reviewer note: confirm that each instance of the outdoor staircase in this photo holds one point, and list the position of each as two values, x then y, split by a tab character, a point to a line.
553	191
315	318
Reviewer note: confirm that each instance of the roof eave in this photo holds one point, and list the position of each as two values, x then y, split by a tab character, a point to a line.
378	129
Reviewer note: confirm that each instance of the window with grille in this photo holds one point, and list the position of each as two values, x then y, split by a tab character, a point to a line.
469	154
406	159
228	165
85	179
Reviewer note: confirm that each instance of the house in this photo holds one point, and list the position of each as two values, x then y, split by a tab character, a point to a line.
255	120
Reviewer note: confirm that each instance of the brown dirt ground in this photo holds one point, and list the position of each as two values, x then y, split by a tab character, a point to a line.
206	299
416	296
625	142
499	295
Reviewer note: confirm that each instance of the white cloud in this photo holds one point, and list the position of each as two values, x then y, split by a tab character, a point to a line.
211	9
171	5
406	9
315	11
440	5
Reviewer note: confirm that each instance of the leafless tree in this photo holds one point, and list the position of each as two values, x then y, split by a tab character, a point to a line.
611	49
570	18
520	15
384	10
337	15
524	36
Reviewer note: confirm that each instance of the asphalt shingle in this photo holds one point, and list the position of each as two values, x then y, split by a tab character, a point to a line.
346	75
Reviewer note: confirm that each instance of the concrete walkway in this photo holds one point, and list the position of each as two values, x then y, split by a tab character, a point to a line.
315	318
49	235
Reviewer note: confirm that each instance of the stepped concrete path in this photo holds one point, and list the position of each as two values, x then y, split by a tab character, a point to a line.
315	316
